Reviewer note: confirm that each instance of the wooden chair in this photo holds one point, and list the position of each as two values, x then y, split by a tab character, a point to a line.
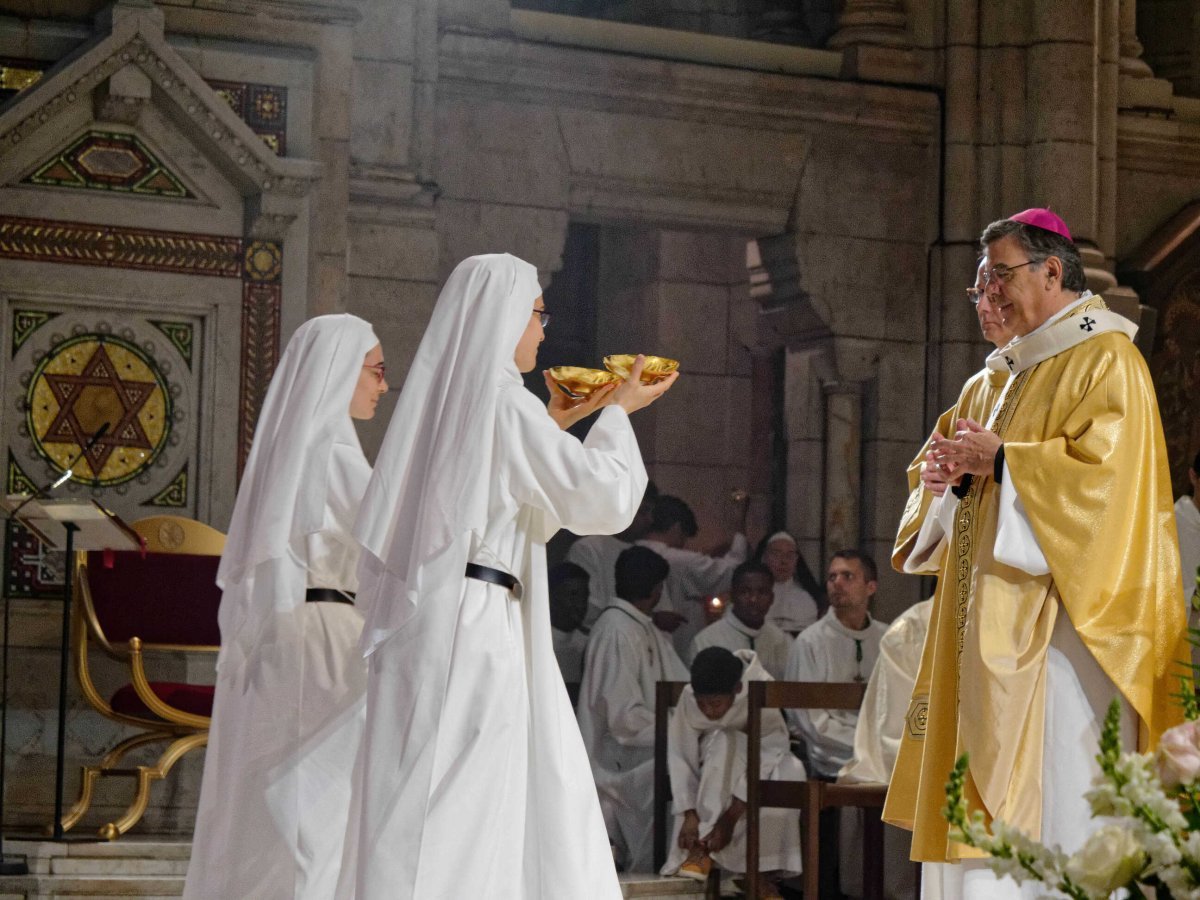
666	696
811	797
130	602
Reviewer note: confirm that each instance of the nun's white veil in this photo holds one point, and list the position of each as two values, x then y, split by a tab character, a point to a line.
282	495
430	484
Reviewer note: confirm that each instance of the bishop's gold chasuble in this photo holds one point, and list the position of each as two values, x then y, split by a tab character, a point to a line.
1084	449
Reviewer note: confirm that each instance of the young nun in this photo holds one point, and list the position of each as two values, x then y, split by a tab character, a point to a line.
706	759
287	720
474	778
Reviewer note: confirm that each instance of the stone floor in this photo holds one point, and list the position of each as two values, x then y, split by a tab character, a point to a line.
154	870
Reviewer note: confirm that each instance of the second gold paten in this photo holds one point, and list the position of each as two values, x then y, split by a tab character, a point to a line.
655	369
577	381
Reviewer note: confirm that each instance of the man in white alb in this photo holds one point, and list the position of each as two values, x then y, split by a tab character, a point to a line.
695	576
744	625
1187	522
597	555
626	658
842	646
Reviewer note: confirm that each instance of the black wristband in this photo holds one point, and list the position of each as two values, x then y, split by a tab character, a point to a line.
998	465
960	490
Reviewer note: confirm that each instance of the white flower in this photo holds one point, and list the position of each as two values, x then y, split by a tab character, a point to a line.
1110	859
1178	756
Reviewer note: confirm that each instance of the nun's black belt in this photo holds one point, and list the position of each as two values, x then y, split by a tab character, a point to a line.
328	595
494	576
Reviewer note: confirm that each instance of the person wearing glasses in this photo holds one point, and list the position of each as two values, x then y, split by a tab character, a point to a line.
1061	588
921	539
474	780
290	694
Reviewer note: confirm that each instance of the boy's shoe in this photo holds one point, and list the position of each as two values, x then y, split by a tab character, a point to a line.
696	866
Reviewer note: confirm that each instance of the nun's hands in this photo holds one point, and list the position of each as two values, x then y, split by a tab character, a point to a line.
566	412
631	395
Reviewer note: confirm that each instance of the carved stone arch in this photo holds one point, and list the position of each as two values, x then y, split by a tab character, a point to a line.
138	207
1165	271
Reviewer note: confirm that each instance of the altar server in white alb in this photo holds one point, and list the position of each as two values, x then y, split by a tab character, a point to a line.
745	625
288	714
474	780
706	758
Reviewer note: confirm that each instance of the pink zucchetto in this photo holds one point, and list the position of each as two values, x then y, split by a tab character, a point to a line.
1045	219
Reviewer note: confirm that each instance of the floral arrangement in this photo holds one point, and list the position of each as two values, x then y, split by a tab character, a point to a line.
1150	846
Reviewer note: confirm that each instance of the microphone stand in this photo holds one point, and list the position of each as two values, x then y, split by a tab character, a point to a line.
21	867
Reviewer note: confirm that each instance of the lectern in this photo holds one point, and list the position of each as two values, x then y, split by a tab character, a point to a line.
67	525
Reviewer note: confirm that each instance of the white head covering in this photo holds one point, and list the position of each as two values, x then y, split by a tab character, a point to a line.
430	485
780	536
283	490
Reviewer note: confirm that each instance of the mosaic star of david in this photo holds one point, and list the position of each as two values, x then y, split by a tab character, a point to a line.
108	398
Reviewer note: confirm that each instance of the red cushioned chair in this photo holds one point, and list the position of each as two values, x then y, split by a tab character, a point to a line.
130	602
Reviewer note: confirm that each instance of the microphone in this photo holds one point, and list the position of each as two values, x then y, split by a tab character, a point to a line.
70	470
91	442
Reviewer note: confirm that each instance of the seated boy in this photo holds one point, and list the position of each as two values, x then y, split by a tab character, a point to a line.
706	758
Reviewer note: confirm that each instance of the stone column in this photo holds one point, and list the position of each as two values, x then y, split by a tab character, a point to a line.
880	23
1132	63
843	464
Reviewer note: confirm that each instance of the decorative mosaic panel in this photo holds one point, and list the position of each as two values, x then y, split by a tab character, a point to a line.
18	74
30	571
96	381
109	161
46	240
89	363
258	264
261	106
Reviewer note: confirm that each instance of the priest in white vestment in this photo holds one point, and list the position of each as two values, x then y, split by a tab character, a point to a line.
842	646
597	555
1060	588
745	625
289	705
881	721
627	657
473	780
795	606
706	758
695	577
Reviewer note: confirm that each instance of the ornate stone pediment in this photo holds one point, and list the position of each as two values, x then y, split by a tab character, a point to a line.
116	77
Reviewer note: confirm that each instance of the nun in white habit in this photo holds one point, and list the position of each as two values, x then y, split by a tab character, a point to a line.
475	782
289	707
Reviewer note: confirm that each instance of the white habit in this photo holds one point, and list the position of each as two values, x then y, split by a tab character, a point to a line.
769	643
475	782
626	658
707	762
289	706
694	578
829	651
597	555
794	608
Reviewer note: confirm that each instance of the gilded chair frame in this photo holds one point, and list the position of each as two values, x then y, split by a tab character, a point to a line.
184	731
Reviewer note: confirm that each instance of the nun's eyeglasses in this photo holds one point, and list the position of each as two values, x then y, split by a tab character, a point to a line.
380	371
543	317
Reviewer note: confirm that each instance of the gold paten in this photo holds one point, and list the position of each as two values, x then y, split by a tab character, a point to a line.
655	369
576	381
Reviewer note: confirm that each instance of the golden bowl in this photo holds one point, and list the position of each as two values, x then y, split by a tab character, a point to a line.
576	381
656	368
